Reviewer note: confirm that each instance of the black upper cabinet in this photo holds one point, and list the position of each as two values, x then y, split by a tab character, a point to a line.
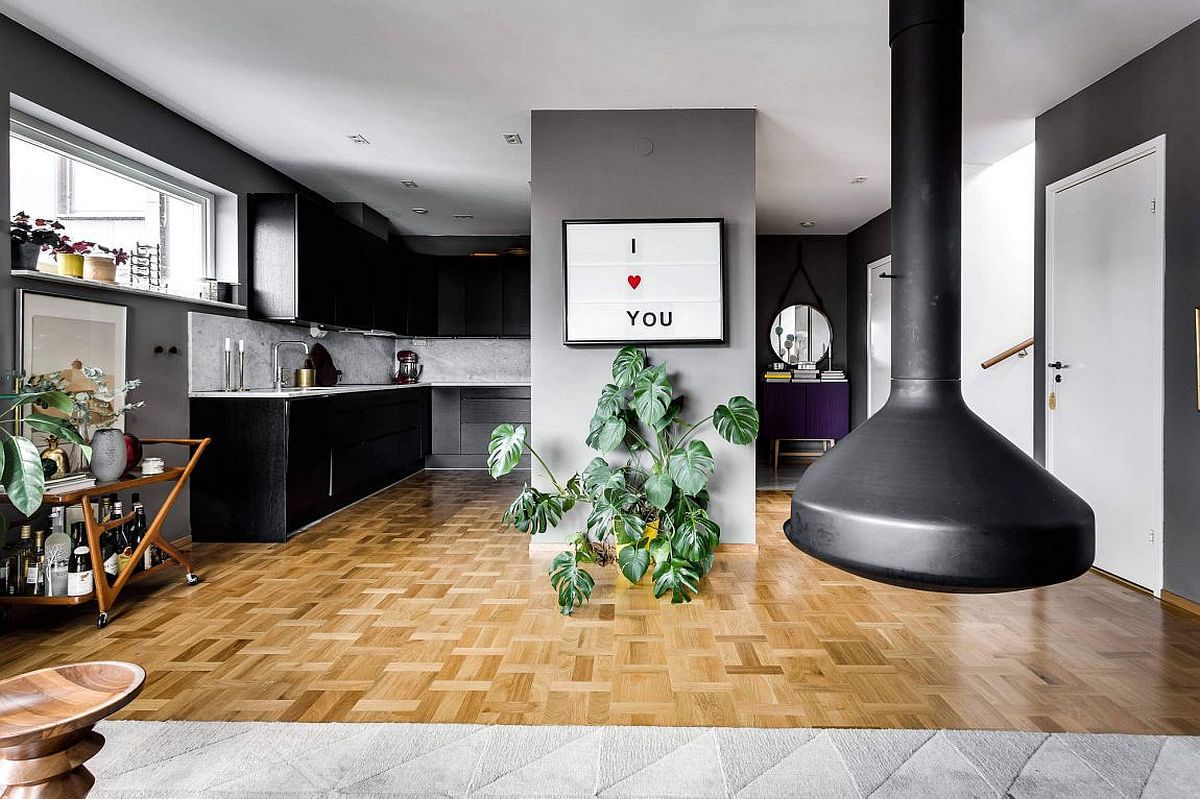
420	279
483	297
391	293
290	246
451	296
354	264
515	306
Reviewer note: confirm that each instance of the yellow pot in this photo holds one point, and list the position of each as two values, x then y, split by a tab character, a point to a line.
70	264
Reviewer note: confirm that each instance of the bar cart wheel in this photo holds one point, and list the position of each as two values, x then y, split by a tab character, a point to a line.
102	620
192	578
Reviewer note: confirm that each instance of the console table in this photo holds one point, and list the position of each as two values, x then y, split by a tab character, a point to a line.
811	412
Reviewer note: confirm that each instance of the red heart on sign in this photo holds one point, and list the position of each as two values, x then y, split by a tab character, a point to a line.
634	280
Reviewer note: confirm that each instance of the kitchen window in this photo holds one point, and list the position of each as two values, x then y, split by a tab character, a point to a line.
165	225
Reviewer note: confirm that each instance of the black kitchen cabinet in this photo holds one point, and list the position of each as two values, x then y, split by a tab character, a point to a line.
452	296
290	252
279	464
484	293
390	294
471	297
463	418
355	270
421	287
515	298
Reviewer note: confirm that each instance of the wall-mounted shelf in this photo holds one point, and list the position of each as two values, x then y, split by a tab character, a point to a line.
47	277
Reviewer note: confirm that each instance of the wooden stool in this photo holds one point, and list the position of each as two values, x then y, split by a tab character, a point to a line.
46	720
777	453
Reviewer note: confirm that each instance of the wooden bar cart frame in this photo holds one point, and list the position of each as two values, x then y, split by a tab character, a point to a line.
103	594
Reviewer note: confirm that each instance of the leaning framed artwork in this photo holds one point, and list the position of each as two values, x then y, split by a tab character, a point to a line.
642	281
60	335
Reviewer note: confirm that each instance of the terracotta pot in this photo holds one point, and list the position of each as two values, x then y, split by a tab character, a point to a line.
108	454
100	267
70	264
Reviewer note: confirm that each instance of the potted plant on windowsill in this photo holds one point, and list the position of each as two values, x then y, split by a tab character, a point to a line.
650	512
30	237
69	255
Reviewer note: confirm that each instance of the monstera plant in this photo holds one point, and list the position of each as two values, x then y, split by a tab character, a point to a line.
648	512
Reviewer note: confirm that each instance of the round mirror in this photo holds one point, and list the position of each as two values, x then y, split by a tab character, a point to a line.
801	334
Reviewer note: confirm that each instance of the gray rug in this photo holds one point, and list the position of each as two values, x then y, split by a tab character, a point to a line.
173	760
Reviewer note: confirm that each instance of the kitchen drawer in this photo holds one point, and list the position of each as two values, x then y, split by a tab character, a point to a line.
495	411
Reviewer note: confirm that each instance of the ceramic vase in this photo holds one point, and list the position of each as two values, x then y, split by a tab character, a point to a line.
100	267
108	454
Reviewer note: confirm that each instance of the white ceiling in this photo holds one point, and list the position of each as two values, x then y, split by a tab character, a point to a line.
434	83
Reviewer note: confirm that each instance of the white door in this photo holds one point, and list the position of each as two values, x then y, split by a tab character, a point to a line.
1104	353
879	334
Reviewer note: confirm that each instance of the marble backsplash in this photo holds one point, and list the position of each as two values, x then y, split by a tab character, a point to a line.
362	359
471	360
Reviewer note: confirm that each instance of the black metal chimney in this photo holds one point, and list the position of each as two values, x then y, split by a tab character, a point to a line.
925	494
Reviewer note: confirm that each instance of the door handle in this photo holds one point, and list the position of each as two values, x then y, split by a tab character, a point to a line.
1058	365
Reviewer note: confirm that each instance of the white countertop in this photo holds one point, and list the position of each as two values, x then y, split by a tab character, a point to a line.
325	391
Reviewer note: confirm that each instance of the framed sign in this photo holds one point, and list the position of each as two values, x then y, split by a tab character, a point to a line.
640	281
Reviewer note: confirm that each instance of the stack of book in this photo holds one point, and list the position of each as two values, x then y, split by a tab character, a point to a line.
70	482
833	376
806	374
777	377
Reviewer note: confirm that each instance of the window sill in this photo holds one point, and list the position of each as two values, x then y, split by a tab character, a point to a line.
46	277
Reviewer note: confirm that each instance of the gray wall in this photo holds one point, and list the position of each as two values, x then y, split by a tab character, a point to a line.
586	164
1158	92
47	75
864	245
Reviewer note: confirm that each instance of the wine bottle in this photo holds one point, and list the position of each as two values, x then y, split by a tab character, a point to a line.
32	575
122	544
140	528
79	571
108	549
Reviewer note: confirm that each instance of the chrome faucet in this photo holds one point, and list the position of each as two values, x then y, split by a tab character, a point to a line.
275	373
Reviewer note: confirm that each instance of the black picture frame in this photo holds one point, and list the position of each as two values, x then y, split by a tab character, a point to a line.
657	342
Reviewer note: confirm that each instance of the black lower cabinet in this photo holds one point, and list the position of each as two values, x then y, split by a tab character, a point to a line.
463	419
276	465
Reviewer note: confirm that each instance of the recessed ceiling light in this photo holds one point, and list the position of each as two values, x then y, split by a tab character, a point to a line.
358	138
420	210
512	138
464	216
409	184
807	223
859	179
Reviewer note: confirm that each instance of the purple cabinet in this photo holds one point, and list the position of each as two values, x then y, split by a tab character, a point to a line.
804	410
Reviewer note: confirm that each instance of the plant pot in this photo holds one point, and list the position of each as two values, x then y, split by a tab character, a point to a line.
108	454
70	264
100	267
25	255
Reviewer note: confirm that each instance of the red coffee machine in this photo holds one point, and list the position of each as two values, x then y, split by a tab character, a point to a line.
407	368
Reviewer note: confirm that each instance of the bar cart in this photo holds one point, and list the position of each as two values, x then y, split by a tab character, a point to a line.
103	594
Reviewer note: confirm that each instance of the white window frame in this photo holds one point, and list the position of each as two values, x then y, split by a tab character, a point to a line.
43	134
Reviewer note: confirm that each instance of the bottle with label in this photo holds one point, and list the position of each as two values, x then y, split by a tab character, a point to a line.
104	515
18	563
108	549
57	517
122	544
139	528
79	572
37	571
32	574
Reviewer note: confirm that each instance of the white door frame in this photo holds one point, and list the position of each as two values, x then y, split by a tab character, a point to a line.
871	267
1156	146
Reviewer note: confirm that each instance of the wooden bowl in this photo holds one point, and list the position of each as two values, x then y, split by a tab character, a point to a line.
55	701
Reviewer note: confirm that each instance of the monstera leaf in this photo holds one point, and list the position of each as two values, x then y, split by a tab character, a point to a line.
696	536
535	512
21	474
658	489
737	422
596	474
651	394
573	584
634	561
678	577
606	434
691	466
505	449
611	402
628	364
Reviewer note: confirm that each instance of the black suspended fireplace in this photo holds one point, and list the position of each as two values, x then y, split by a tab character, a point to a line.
925	494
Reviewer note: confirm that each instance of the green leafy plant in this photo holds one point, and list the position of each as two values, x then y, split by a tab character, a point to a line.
53	407
648	514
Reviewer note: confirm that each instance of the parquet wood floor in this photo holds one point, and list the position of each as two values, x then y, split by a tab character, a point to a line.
416	605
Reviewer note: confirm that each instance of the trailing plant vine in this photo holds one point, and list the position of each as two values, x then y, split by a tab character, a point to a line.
648	514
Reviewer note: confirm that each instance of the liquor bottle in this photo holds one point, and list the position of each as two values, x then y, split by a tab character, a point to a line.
32	575
121	543
108	549
37	571
150	557
57	518
105	513
79	571
18	565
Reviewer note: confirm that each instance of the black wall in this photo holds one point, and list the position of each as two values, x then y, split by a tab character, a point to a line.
1158	92
780	283
43	73
868	243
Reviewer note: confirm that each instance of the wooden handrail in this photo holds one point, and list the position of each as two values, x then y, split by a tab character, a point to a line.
1008	353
